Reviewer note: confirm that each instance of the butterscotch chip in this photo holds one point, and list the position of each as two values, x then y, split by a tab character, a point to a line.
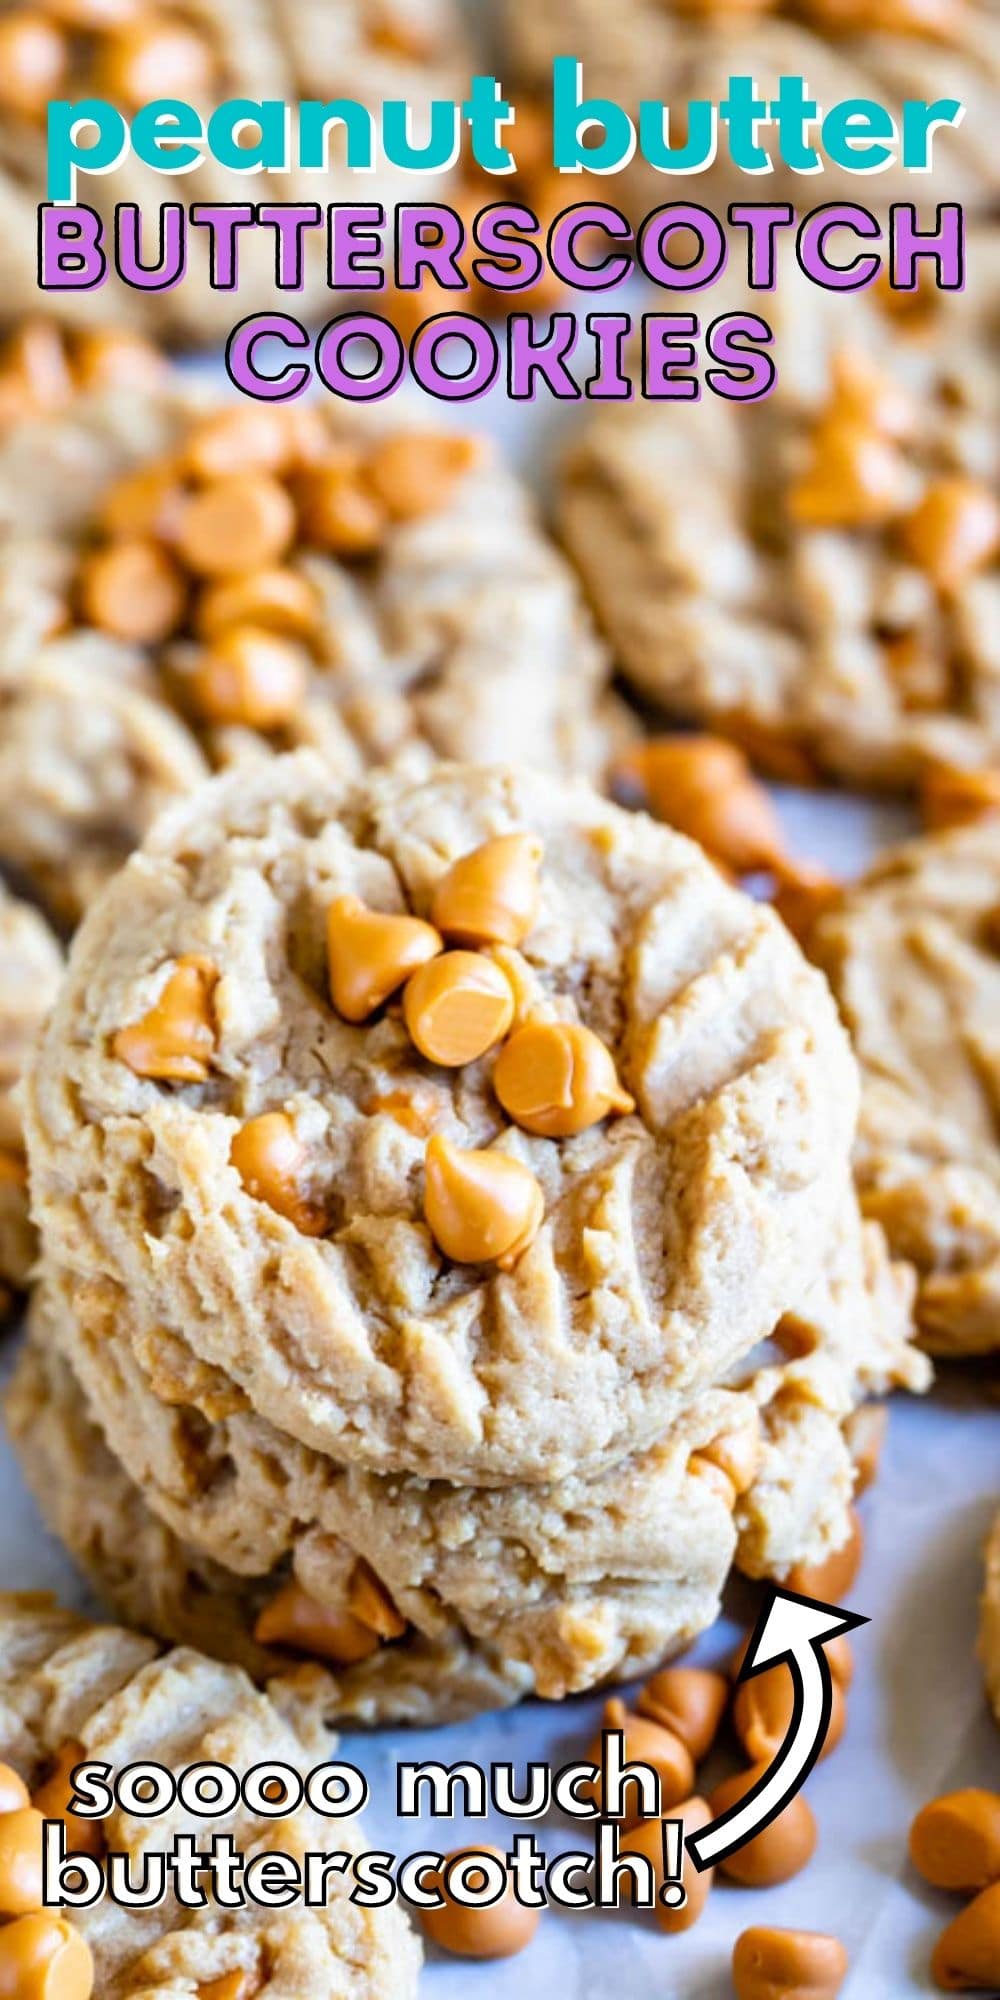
557	1078
34	59
136	1703
756	571
856	478
955	1841
690	1701
43	1957
769	1964
909	954
371	1603
703	786
456	1007
296	1620
498	1930
764	1711
174	1041
249	677
105	358
52	1800
492	895
414	473
777	1853
152	57
481	1206
966	1957
134	590
370	953
803	895
272	1162
21	1834
833	1579
950	798
953	532
148	503
237	524
279	599
629	916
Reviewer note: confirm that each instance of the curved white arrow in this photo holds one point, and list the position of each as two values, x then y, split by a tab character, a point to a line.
795	1629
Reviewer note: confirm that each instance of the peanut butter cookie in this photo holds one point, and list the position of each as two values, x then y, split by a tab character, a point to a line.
912	954
676	50
496	1269
71	1692
30	970
240	580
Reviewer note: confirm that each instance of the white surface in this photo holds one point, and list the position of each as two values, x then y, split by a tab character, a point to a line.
917	1719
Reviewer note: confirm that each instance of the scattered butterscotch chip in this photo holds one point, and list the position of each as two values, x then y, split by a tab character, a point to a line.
371	953
21	1835
804	894
788	1965
152	57
238	524
83	1836
175	1041
953	532
271	1160
951	797
457	1007
966	1957
689	1701
645	1742
280	600
771	748
647	1839
736	1452
42	1957
414	472
249	677
338	510
232	442
764	1710
481	1207
864	1434
492	895
296	1620
856	478
833	1578
369	1601
34	60
704	787
955	1841
146	503
134	590
780	1850
33	361
557	1078
13	1169
497	1931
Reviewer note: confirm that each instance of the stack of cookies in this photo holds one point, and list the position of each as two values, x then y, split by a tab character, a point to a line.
450	1260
